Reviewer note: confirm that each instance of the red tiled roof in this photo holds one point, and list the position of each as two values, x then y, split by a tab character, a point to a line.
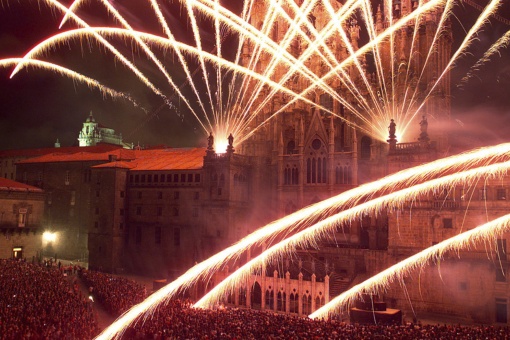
24	153
10	185
170	159
117	164
136	160
122	154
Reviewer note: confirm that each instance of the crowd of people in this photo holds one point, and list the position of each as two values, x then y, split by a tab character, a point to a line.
38	302
177	320
116	294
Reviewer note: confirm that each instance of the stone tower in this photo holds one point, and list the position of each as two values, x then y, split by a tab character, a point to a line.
328	142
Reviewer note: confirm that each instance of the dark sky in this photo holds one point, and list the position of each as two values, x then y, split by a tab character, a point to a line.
37	107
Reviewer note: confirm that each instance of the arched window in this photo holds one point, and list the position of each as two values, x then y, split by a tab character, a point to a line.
280	299
316	164
222	181
286	175
294	302
269	299
291	146
307	304
295	175
366	142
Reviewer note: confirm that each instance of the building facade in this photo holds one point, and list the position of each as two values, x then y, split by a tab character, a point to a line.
159	211
21	220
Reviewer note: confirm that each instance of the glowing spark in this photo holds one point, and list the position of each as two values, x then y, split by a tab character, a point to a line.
383	279
285	225
311	234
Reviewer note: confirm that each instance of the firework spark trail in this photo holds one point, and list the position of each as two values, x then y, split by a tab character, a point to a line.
309	236
116	53
433	46
276	60
382	280
501	43
425	8
315	47
408	177
75	76
341	16
483	19
158	63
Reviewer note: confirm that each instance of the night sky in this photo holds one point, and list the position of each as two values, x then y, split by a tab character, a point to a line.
37	107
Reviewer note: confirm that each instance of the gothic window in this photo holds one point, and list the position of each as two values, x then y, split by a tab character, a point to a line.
269	299
294	302
295	175
291	146
365	147
307	304
286	175
501	194
316	165
280	299
222	181
343	174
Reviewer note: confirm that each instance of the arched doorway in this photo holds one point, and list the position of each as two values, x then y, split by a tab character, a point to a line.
256	296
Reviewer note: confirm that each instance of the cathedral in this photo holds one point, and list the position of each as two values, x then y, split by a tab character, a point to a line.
159	211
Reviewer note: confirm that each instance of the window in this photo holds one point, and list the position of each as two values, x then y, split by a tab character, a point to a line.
160	194
190	178
96	224
176	195
138	210
183	178
97	193
447	223
176	211
156	178
137	178
160	211
162	178
219	191
157	235
177	237
22	217
176	178
197	178
195	212
196	195
66	180
169	178
142	178
139	195
316	168
501	194
149	178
